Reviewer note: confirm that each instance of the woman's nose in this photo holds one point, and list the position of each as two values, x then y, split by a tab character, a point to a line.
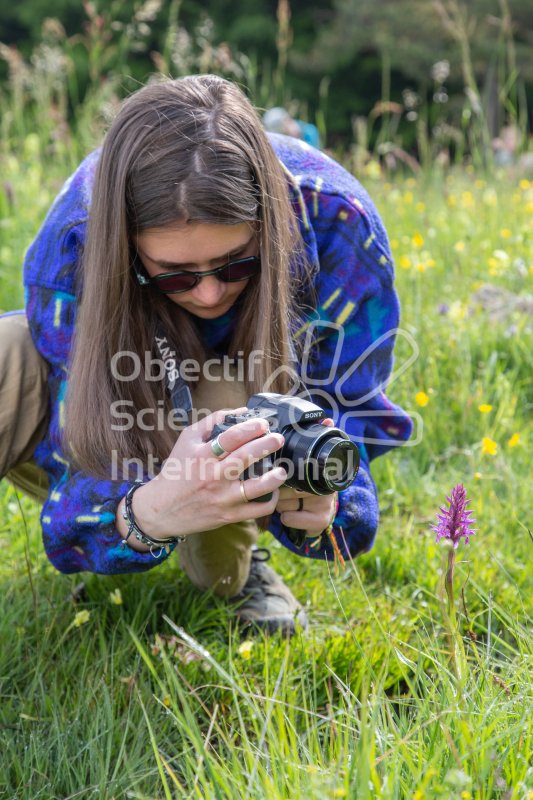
209	291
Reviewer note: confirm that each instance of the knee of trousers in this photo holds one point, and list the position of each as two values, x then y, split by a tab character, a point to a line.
30	480
23	393
219	560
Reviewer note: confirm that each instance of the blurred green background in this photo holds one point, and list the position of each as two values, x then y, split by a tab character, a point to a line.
402	71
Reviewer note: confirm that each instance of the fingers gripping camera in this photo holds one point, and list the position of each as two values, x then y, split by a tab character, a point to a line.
317	459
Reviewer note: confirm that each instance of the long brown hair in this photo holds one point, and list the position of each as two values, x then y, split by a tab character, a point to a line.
185	150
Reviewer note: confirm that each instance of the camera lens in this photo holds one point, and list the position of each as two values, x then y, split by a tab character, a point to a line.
338	462
323	460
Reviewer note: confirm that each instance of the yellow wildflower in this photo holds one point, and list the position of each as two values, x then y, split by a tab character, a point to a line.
421	266
465	795
245	649
407	197
477	476
420	207
116	597
459	247
373	170
451	200
505	233
457	311
529	208
418	240
430	262
524	184
467	199
485	408
81	618
340	792
421	399
394	244
405	262
488	446
418	795
514	440
490	198
166	701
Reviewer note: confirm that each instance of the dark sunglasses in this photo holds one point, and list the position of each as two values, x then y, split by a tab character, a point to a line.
176	282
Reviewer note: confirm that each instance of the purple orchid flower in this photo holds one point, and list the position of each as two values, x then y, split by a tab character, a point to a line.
455	522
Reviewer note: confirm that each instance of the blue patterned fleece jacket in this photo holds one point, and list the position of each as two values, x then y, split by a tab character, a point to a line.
356	308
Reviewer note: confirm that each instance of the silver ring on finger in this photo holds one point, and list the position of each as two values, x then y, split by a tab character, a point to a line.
243	492
217	448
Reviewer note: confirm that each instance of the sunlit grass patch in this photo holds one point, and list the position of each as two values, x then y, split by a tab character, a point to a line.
140	686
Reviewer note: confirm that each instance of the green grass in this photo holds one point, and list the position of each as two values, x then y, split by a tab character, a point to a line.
153	698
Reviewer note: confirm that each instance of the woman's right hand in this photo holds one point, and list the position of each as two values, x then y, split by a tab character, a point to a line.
197	491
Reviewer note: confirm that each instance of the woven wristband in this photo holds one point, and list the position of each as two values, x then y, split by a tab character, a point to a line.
164	545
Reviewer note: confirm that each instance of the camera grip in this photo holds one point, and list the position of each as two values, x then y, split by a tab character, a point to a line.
255	471
296	536
263	499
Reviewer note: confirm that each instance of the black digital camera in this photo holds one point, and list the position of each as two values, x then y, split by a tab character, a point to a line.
318	459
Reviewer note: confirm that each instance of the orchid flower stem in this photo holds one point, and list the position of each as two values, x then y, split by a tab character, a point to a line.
454	524
449	585
455	644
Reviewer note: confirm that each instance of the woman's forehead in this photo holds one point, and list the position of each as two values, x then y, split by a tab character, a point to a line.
193	242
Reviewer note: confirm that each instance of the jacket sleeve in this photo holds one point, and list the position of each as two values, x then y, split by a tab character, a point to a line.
78	517
348	357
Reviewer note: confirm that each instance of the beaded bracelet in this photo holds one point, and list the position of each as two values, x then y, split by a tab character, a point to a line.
164	545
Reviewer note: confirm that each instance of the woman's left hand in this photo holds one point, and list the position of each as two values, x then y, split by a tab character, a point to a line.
311	513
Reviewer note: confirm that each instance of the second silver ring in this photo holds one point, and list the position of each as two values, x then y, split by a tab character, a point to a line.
217	448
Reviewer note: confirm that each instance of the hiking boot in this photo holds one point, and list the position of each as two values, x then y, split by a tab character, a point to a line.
266	602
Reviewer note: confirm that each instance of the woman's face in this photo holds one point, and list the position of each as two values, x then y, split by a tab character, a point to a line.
199	247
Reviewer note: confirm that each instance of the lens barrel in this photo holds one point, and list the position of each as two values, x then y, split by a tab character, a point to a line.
323	460
338	462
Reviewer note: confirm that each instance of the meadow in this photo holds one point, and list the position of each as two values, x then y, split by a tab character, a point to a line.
140	687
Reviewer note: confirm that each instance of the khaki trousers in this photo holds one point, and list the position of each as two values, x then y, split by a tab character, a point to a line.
217	560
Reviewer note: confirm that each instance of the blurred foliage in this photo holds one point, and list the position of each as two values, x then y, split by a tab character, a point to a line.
330	63
407	38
